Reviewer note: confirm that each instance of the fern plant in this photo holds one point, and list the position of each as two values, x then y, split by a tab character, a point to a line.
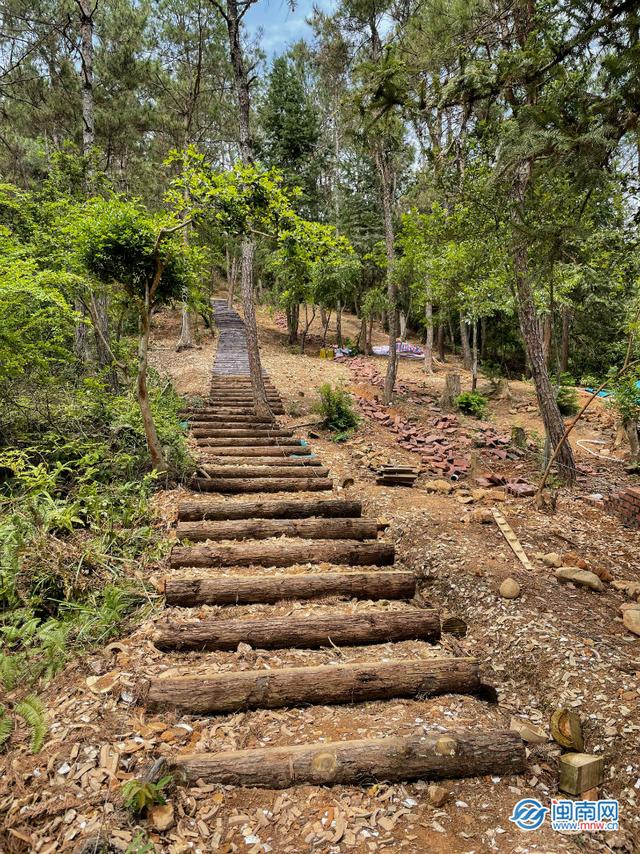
6	725
32	713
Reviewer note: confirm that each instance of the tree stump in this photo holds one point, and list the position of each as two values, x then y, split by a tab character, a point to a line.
451	391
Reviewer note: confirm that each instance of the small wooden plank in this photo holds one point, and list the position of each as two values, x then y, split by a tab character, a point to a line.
512	540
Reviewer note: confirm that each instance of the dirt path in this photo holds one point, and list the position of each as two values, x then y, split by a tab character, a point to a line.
555	645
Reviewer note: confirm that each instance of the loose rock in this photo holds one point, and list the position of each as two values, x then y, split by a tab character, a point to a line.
438	795
509	589
552	560
161	817
482	515
631	620
441	486
582	577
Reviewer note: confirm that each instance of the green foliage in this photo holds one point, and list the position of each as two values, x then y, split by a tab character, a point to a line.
567	396
472	403
138	796
6	726
140	845
626	397
336	407
75	524
291	132
590	381
31	711
119	242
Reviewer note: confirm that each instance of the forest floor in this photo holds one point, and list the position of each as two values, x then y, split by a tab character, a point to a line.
556	645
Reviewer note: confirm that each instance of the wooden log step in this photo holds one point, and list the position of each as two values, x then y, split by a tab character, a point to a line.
238	386
238	380
424	757
262	471
222	397
280	454
239	485
213	459
231	417
231	402
229	423
251	589
286	552
308	632
195	510
216	432
240	391
303	686
262	529
221	410
256	442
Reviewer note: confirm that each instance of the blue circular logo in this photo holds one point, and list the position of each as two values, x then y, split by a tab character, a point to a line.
528	814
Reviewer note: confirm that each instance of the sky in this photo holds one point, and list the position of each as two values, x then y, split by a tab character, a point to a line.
280	26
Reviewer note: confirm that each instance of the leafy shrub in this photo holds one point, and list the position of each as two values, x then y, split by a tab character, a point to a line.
626	397
472	403
336	407
76	525
138	796
590	381
567	400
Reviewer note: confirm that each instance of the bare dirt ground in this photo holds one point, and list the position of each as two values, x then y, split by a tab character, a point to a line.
554	646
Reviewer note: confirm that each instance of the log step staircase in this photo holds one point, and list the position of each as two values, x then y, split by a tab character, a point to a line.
235	552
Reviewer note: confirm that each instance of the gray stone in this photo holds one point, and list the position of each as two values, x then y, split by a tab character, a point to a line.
581	577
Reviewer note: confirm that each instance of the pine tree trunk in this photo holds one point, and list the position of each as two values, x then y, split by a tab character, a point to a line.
185	341
87	11
325	326
233	17
293	320
403	325
251	329
339	323
564	349
441	353
466	349
452	336
547	336
474	356
383	163
531	334
428	346
80	336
